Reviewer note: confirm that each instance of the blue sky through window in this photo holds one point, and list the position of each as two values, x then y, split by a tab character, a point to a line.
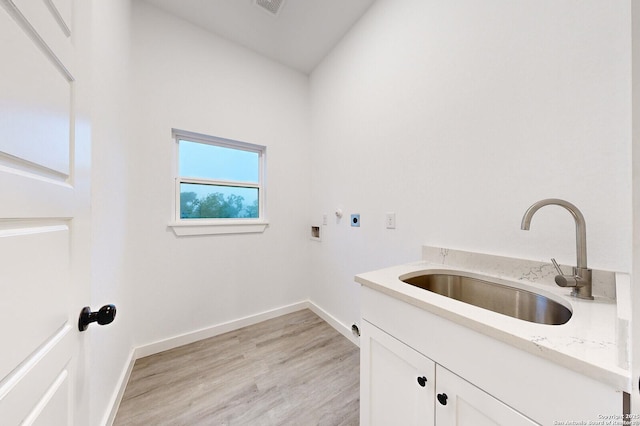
199	160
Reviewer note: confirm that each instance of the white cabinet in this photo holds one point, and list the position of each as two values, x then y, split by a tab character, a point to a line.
459	403
396	383
485	380
400	386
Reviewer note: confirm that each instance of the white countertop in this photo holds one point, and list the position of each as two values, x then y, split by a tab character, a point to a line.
594	342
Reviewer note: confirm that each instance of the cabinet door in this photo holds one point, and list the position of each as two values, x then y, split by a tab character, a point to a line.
459	403
397	383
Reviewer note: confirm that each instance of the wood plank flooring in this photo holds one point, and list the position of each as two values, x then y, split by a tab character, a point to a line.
291	370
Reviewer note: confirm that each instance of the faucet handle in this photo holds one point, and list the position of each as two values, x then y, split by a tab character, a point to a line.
565	280
555	264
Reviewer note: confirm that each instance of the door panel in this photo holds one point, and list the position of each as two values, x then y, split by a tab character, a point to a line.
52	404
63	10
35	105
33	295
26	392
46	21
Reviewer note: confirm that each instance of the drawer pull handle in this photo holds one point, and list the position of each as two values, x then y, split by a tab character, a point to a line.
442	398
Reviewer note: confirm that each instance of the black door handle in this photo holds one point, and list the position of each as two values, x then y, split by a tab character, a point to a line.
104	316
422	381
442	398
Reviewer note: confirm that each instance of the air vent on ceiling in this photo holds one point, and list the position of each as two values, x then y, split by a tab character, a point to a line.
272	6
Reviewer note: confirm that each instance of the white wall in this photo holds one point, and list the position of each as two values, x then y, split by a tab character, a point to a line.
454	115
110	346
457	116
186	78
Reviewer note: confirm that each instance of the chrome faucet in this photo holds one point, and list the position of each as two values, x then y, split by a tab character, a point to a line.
580	279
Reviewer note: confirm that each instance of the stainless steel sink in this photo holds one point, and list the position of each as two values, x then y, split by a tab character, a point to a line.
515	302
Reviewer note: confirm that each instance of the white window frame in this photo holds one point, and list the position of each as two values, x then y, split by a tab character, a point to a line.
213	226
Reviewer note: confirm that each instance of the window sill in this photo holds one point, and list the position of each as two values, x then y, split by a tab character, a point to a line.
218	228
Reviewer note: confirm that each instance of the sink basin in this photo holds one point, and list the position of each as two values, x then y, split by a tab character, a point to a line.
506	300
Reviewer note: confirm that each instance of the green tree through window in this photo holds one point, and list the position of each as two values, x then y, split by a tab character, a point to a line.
215	205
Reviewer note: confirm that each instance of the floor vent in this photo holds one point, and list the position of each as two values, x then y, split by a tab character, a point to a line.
272	6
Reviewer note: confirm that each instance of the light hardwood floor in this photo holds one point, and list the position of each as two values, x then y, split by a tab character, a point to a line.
291	370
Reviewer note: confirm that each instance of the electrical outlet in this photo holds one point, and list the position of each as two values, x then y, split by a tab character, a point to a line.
390	220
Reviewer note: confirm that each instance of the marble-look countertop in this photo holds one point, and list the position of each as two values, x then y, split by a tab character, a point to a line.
594	342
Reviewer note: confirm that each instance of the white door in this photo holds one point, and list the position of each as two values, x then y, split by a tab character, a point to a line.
396	382
44	194
635	267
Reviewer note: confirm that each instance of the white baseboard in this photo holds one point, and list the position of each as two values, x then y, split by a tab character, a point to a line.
333	322
205	333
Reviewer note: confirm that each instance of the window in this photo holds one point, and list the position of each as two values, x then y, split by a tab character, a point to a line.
219	185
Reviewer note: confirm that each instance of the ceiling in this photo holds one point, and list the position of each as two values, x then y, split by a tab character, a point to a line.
299	36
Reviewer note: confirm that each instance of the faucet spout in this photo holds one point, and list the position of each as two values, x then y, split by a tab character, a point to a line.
581	227
581	278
